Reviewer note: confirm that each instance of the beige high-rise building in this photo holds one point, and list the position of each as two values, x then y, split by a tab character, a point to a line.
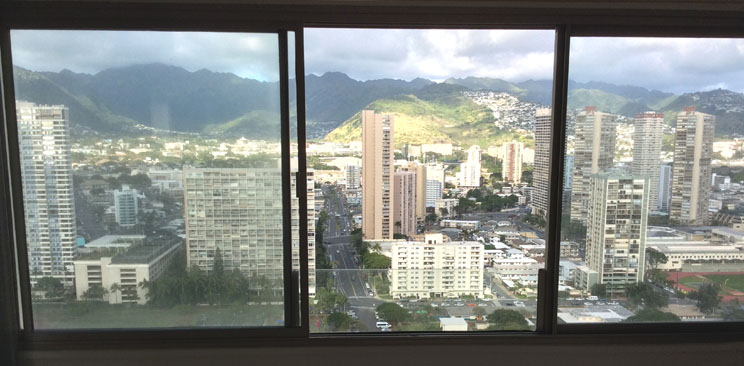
594	152
421	177
404	202
647	151
512	161
691	171
48	200
540	182
616	228
377	175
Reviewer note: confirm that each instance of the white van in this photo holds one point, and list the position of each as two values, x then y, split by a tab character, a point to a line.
382	325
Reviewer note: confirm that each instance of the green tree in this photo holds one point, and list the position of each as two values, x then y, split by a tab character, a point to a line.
431	218
329	300
479	311
393	313
115	287
376	261
653	259
52	287
95	292
599	289
504	319
652	315
339	321
707	297
643	294
733	312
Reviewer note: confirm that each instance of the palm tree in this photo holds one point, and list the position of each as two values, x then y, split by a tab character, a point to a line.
115	287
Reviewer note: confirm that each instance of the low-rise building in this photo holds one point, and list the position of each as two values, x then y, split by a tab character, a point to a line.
585	278
461	224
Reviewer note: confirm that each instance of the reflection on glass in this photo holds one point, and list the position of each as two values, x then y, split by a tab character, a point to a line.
651	222
431	193
151	178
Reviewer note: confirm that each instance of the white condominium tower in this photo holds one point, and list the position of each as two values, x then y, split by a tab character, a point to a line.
377	175
126	206
594	151
239	211
647	151
512	161
616	228
540	181
353	177
48	199
470	171
691	171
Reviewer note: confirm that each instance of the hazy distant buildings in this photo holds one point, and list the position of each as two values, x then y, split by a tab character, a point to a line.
647	151
616	228
512	162
48	200
470	171
353	177
126	206
404	202
665	187
377	175
691	174
540	173
594	151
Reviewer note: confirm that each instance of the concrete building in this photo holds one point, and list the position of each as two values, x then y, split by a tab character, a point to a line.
511	170
433	192
470	171
691	175
568	165
421	181
141	262
441	149
48	200
543	126
239	212
377	175
616	228
404	203
167	180
647	151
126	206
353	177
435	172
594	151
448	204
461	224
585	278
665	188
433	269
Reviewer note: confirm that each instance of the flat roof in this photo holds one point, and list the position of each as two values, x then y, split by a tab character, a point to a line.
145	253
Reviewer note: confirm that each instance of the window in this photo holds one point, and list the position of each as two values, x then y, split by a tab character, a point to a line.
651	202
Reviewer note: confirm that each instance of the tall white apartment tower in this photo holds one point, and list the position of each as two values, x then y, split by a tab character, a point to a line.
691	172
377	175
48	199
470	171
512	161
647	151
543	122
353	177
616	228
126	206
594	151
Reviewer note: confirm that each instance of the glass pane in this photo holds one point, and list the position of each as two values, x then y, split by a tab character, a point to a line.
652	215
428	166
151	178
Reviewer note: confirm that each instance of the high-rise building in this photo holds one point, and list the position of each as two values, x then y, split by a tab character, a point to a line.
48	200
691	172
126	206
433	192
647	151
239	212
512	162
594	151
404	202
420	171
470	171
377	175
353	177
616	228
435	172
568	164
543	123
665	187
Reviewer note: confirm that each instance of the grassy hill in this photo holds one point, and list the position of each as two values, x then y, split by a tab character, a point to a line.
431	117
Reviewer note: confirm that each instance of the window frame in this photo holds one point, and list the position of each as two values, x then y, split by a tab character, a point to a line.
722	22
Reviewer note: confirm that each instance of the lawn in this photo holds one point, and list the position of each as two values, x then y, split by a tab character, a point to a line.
728	282
102	315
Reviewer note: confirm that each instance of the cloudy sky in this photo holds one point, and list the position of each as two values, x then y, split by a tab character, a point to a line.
674	65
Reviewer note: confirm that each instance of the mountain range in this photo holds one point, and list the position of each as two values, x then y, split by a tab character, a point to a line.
172	98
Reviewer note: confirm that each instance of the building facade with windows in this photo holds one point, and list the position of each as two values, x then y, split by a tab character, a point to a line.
404	202
540	180
511	168
377	175
126	206
647	151
470	171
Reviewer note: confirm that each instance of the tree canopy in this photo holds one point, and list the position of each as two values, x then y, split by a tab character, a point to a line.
504	319
652	315
393	313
